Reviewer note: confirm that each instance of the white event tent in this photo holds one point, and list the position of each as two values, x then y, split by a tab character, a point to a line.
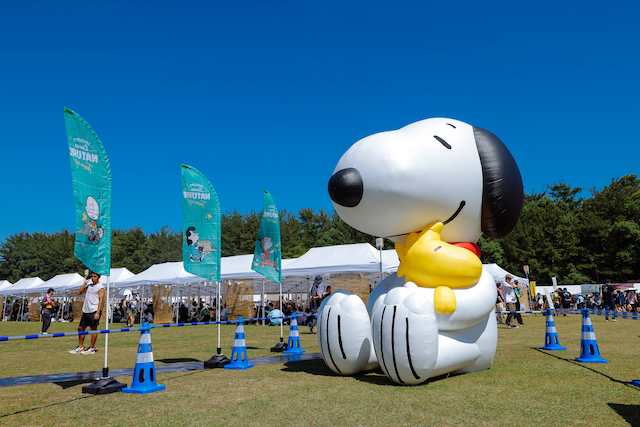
21	286
168	273
4	284
500	273
355	258
61	282
116	275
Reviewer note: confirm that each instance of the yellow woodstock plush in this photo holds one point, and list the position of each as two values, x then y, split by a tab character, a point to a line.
429	262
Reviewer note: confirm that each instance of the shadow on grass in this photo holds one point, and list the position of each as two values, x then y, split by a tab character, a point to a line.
178	360
68	384
375	377
313	367
43	407
575	362
630	413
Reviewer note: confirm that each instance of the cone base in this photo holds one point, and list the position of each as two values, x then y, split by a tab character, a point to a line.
239	366
104	385
553	348
591	360
294	351
216	361
144	390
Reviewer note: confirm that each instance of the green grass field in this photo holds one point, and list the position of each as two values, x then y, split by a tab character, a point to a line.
525	386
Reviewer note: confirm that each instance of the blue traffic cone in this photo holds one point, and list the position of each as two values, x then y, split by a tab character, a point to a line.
144	376
551	335
589	352
294	337
239	358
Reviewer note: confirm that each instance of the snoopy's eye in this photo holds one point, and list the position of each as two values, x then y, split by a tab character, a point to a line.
443	142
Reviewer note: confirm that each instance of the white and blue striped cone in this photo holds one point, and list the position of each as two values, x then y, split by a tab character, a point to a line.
589	351
144	375
551	335
239	359
293	346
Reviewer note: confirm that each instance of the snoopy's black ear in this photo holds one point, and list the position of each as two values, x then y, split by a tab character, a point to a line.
502	190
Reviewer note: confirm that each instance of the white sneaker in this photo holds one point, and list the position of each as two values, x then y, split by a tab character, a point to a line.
614	320
90	350
78	350
44	333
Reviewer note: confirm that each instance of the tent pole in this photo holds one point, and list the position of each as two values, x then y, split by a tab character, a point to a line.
106	336
281	311
218	316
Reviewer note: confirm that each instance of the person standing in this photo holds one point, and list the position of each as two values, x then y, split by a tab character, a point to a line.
315	298
132	309
518	291
607	300
500	305
566	300
91	310
47	308
510	299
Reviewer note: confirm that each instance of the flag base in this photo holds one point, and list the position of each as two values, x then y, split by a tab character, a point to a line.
279	348
104	385
216	361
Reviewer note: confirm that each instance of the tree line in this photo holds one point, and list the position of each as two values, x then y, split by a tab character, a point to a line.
577	240
46	255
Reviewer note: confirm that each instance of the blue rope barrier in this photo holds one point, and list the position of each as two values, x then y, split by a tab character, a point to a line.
163	325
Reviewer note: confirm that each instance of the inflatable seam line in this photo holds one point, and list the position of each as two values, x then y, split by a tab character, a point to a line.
328	347
393	343
384	365
344	356
413	371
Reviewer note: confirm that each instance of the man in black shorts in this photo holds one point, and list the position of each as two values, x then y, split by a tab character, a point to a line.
91	310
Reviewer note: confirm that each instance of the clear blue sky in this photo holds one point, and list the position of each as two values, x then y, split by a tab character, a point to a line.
269	94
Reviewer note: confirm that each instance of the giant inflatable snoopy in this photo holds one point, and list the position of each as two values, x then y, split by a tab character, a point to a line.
433	187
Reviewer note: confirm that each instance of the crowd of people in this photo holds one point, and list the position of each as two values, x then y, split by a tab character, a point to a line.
18	310
624	300
608	299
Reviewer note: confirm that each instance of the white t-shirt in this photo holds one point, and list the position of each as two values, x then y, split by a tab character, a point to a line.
509	294
92	298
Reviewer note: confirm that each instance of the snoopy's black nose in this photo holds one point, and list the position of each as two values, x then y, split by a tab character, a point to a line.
346	188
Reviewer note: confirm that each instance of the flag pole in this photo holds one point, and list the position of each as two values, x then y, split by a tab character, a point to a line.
218	360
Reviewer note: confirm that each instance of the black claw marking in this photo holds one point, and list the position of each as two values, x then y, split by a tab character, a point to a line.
344	356
329	348
384	365
437	249
413	371
393	343
443	142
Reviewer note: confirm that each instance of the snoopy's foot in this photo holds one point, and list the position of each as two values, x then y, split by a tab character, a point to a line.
344	334
405	335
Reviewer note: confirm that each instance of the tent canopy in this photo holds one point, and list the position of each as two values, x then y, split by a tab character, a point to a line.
355	258
116	275
60	282
500	273
21	286
168	273
4	284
